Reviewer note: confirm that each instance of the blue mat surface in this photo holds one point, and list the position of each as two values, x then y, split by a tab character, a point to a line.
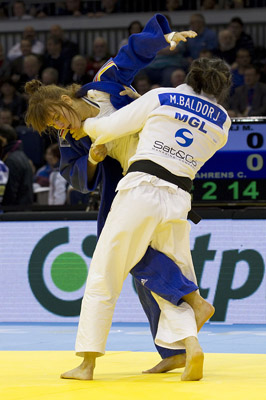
214	338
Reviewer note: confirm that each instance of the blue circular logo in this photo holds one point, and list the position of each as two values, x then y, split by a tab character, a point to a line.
184	137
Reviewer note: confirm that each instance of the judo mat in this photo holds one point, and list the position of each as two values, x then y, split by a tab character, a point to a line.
34	375
33	357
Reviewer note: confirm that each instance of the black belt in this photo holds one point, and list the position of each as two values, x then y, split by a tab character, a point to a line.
160	172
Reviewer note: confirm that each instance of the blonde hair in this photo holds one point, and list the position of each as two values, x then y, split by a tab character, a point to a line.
43	100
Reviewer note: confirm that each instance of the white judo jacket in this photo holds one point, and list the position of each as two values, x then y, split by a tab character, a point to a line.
178	129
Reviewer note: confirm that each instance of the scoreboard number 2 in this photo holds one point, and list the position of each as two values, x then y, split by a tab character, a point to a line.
209	195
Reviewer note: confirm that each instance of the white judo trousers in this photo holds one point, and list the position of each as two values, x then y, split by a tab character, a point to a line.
144	215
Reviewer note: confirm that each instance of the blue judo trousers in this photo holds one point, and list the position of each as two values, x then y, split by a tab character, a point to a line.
160	274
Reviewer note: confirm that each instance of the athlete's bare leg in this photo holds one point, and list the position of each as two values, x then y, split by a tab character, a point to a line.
202	308
168	364
194	361
85	370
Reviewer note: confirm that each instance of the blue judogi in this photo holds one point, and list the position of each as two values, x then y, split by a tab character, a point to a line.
163	276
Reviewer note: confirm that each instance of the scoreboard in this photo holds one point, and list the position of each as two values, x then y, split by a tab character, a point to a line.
237	172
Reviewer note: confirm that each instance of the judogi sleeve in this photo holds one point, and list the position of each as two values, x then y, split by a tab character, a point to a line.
121	70
137	54
124	122
73	164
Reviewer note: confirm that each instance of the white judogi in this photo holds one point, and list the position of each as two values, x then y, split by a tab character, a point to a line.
123	149
180	131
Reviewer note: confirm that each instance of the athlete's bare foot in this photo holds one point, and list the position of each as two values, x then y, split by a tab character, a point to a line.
84	371
202	308
168	364
194	361
203	313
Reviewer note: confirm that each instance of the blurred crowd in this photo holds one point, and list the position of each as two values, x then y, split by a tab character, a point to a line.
59	61
31	9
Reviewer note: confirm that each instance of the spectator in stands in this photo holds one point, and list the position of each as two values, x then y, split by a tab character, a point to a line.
43	9
109	6
69	48
226	46
210	5
206	38
5	68
19	11
19	186
31	70
32	145
57	184
49	76
12	100
243	60
37	47
250	98
6	117
100	54
165	62
243	39
42	174
178	77
173	5
79	70
205	53
134	27
74	8
142	84
39	10
55	58
233	4
17	64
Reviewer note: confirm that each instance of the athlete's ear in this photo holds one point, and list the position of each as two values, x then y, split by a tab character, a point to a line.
67	99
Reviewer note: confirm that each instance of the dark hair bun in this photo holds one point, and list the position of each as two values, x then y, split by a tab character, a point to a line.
32	86
212	76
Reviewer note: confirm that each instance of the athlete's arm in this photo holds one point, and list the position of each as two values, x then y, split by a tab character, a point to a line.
126	121
138	53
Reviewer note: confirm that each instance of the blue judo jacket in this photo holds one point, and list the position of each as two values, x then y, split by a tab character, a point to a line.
111	78
141	49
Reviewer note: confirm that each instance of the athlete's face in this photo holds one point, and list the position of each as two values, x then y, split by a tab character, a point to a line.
64	118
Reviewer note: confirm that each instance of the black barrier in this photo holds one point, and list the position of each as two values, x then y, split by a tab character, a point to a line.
49	216
204	212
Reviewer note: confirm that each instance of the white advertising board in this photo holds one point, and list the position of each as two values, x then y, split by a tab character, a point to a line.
44	265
